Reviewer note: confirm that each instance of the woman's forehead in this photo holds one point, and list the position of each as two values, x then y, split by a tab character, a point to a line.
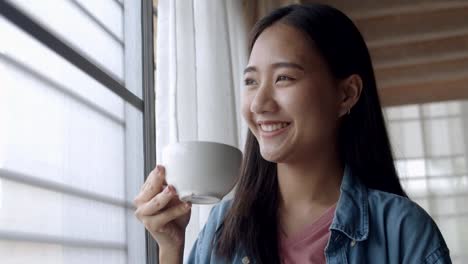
281	42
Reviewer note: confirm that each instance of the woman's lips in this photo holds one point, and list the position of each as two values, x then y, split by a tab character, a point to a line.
270	134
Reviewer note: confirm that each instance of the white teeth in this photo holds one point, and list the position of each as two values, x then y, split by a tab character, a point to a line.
273	127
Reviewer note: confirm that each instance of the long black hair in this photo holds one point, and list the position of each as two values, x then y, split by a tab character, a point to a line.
252	220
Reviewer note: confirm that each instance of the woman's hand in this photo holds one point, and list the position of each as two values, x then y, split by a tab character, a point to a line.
162	213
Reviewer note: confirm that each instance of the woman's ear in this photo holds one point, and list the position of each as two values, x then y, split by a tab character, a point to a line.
350	90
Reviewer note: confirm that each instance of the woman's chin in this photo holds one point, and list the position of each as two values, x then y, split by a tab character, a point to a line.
275	156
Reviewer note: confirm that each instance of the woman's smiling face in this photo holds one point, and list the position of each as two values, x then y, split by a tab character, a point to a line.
290	99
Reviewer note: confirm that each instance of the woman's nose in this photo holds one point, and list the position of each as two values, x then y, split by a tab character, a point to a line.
263	101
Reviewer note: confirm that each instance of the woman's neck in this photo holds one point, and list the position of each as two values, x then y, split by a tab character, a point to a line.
309	184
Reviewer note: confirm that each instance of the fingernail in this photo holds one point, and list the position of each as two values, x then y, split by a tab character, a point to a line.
158	167
188	205
167	190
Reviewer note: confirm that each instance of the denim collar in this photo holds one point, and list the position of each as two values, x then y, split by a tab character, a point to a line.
352	211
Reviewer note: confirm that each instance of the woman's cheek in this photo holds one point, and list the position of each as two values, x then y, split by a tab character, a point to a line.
245	108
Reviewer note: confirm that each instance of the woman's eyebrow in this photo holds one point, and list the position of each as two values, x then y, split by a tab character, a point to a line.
288	65
277	65
250	69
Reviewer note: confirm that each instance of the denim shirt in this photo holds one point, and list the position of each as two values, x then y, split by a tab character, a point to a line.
369	226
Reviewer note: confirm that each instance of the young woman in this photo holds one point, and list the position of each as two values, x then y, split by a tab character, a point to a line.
318	182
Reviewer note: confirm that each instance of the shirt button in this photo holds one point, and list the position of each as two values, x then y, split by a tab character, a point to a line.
245	260
353	243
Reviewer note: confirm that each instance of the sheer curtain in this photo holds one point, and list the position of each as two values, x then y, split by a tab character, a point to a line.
71	151
201	55
431	151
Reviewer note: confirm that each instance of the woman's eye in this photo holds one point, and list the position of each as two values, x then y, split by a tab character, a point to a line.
283	78
249	82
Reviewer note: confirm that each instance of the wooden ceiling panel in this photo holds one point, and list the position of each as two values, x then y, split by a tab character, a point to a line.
419	48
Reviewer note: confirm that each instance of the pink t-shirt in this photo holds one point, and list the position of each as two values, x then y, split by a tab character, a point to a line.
308	246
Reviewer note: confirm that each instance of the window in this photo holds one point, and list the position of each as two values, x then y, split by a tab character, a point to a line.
76	129
431	158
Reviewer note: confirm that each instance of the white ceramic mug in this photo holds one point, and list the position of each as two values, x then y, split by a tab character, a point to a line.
201	172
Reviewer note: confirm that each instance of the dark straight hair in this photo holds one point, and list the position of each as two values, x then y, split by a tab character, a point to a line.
252	221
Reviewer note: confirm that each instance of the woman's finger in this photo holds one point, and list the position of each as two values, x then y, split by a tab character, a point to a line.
153	185
159	202
156	222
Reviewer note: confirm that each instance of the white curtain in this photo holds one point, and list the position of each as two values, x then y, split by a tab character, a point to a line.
201	53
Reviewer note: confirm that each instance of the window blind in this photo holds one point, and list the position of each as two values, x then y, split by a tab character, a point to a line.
71	147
